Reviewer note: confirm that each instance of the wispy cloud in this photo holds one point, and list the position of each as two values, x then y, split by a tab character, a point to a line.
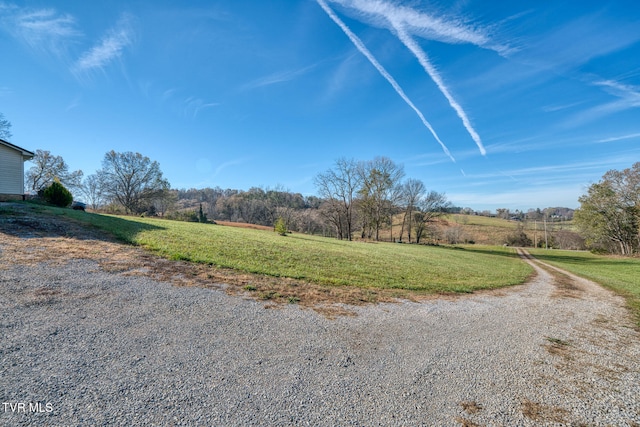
167	94
424	159
537	186
75	102
43	30
280	77
213	177
363	49
555	50
340	76
521	198
628	98
554	108
110	47
175	99
567	171
620	138
226	165
577	42
192	106
629	95
48	31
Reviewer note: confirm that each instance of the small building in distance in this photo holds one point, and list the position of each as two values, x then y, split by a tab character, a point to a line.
12	160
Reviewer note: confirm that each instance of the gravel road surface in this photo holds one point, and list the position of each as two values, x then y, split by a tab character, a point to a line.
83	345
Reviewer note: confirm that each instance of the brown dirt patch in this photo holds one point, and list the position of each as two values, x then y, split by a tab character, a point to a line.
566	286
542	413
471	407
558	347
244	225
467	423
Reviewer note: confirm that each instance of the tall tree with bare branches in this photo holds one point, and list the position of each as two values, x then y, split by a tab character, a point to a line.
412	191
429	207
339	186
46	168
378	193
131	179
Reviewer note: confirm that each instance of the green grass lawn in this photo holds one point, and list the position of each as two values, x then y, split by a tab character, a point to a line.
622	275
316	259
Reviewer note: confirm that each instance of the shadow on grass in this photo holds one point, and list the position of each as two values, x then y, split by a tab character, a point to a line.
596	260
482	250
29	220
122	229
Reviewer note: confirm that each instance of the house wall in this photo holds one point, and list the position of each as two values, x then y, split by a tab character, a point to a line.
11	171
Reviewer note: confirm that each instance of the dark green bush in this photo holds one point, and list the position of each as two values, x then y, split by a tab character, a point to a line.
56	194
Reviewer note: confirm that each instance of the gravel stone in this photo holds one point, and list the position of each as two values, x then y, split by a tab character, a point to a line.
106	348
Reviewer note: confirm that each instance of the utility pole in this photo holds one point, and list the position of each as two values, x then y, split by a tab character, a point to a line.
535	233
546	242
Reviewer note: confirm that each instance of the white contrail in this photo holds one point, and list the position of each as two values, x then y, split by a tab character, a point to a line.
363	49
433	73
406	22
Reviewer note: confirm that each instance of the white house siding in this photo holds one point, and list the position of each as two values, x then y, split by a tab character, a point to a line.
11	171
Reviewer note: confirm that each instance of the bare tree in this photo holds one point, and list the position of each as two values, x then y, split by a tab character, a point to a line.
131	179
412	191
47	168
307	221
281	203
503	213
332	212
430	207
339	187
454	235
5	128
164	200
379	192
565	239
92	190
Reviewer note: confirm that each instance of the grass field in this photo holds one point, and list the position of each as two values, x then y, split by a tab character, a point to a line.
489	230
318	260
622	275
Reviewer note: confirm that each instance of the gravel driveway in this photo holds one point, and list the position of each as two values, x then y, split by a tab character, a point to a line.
81	344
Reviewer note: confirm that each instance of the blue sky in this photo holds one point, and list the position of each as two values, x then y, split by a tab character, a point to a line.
498	104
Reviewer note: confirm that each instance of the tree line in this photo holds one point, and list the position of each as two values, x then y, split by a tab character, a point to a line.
354	199
364	197
129	180
353	196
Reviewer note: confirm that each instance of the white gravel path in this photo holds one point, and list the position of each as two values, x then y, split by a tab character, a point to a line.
115	349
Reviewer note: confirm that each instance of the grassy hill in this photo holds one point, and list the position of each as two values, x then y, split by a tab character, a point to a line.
314	259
